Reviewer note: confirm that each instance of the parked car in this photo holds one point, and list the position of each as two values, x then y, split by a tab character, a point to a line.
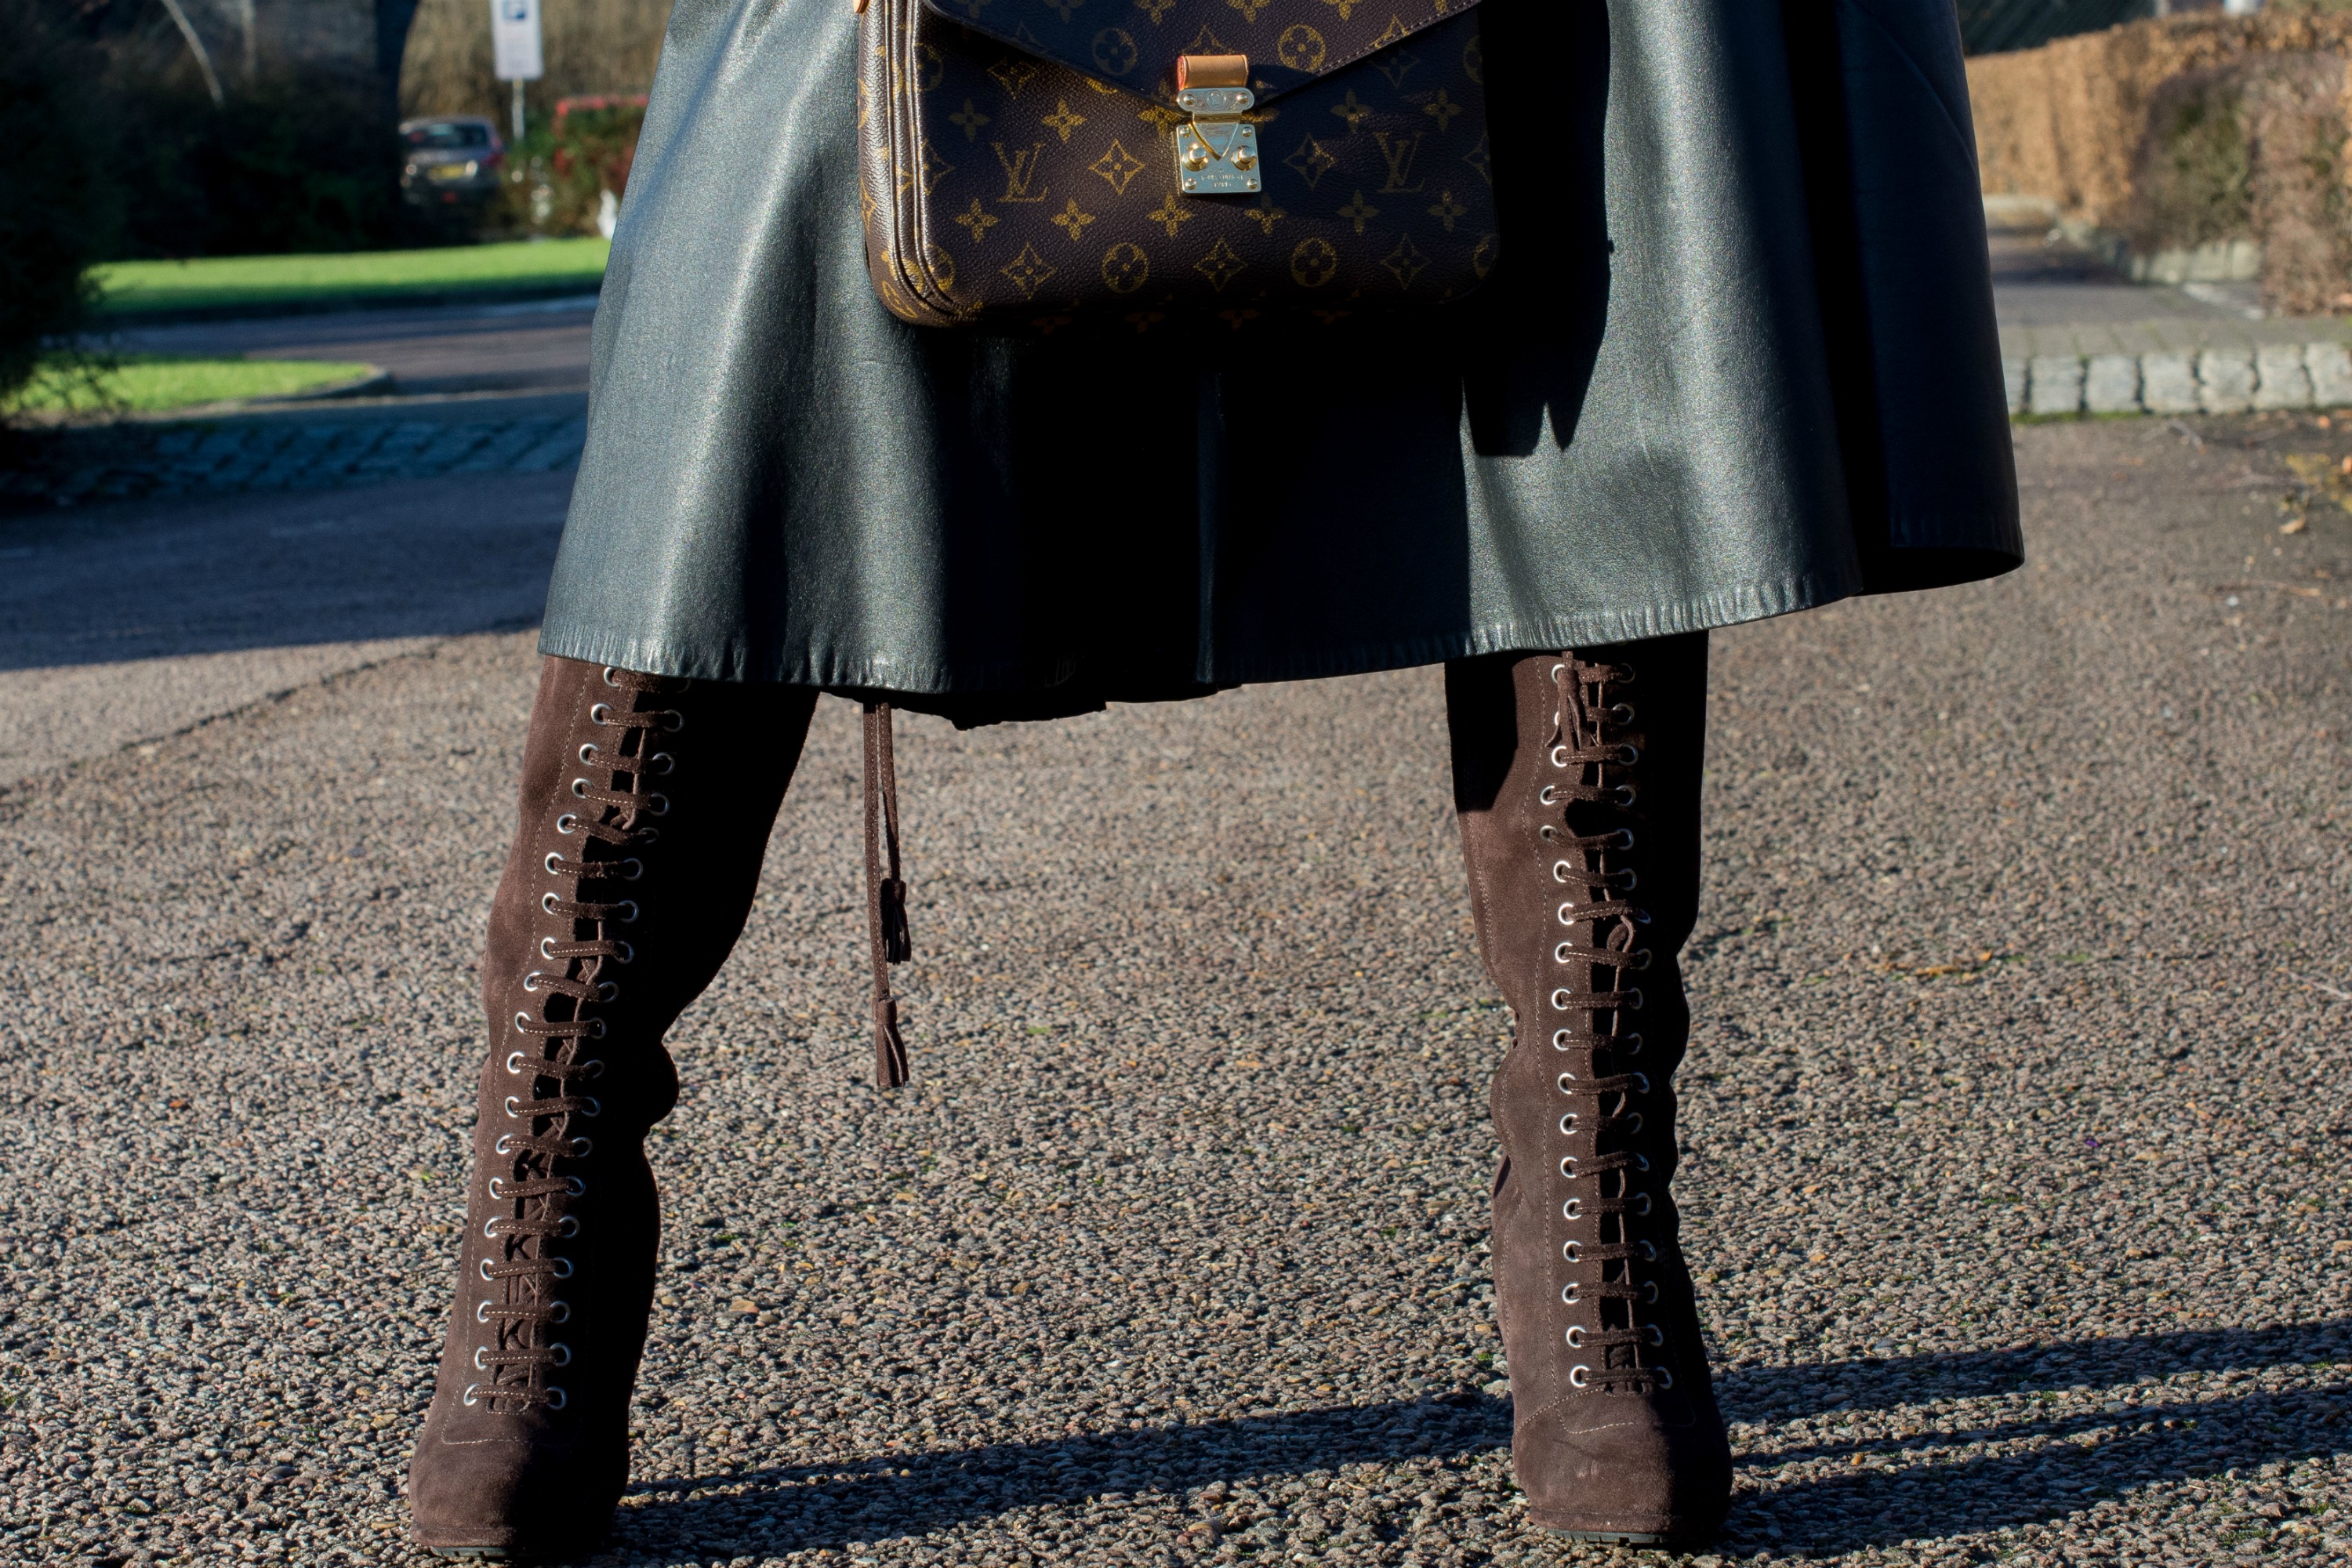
451	158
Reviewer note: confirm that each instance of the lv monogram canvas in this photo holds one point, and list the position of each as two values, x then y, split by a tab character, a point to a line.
1032	162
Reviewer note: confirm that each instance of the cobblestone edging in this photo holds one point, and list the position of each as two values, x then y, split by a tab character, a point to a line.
125	462
2230	380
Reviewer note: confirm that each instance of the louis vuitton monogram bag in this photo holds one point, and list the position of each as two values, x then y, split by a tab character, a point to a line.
1026	164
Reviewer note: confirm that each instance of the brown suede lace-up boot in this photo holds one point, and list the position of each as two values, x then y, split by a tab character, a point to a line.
1577	776
645	806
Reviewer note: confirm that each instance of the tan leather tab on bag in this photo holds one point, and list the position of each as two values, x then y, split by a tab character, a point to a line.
1212	71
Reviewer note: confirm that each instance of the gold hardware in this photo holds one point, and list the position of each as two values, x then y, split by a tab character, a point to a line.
1216	150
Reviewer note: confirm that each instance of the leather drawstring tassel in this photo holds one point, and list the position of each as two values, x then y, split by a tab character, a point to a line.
885	894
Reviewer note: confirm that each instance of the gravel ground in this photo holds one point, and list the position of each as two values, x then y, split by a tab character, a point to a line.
2018	1145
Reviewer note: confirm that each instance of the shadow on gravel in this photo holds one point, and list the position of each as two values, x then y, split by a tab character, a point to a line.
825	1506
820	1505
2134	1446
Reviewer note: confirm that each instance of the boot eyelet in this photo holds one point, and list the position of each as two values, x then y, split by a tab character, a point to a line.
564	1268
1649	1253
669	764
1567	1167
1644	958
468	1399
1622	713
511	1104
482	1314
1559	756
598	1032
1546	833
1641	917
522	1020
1573	1251
1634	1125
484	1271
652	809
495	1195
1573	1209
1626	796
556	864
1580	1376
1633	999
1563	1039
1575	1337
1627	878
593	1069
1560	1000
501	1147
1568	1125
1657	1334
623	953
1567	1080
531	982
1650	1292
1547	795
591	1106
565	1360
548	902
608	679
567	824
1624	839
480	1351
559	1311
606	991
1645	1204
1666	1377
630	905
1641	1162
555	1400
1571	1294
1564	954
1628	754
649	835
590	753
1559	870
1630	1043
636	869
1568	915
547	948
676	719
514	1062
1641	1083
580	788
601	715
575	1186
581	1147
490	1227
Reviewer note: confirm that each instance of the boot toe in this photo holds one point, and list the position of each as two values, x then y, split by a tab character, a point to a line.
508	1500
1612	1467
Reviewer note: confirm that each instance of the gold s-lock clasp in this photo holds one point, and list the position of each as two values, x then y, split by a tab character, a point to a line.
1216	150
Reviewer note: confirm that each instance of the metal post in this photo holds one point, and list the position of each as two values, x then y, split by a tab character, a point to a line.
518	111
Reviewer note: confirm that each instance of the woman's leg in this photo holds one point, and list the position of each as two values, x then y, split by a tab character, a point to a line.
1577	778
645	805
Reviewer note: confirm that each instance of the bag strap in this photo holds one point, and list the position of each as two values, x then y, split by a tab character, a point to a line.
885	895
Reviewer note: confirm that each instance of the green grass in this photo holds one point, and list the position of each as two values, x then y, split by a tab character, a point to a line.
150	384
215	282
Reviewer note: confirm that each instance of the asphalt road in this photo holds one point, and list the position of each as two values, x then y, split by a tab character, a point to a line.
2018	1140
533	345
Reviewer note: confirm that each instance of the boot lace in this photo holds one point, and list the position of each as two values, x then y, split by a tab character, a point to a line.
1594	779
614	818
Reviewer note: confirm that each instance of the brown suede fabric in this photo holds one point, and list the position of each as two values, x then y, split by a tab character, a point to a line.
1577	778
645	806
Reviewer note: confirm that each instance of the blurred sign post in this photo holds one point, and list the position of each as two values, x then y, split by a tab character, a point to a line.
514	48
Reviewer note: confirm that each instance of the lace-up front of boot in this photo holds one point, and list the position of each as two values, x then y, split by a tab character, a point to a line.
1592	1014
1578	780
581	957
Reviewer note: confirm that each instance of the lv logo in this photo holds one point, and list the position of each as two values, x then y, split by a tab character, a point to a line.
1397	152
1020	173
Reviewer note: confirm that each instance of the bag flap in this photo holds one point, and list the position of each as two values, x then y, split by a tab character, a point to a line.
1135	43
